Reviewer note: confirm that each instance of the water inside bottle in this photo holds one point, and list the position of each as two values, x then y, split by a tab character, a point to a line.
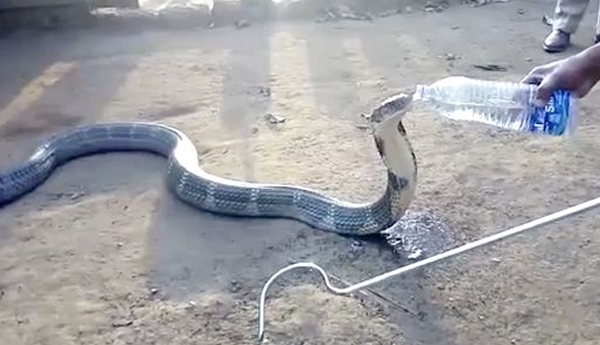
501	104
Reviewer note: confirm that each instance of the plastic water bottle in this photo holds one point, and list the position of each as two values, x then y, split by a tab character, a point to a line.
502	104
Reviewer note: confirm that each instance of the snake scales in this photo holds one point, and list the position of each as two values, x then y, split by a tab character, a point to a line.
229	197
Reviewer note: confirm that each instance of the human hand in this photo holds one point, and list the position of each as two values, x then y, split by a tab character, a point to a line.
577	74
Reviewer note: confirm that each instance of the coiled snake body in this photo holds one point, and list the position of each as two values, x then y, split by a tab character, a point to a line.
235	198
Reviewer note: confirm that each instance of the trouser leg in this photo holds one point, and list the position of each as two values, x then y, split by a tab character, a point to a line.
568	14
597	23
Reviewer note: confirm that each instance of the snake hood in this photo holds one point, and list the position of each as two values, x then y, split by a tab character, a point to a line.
395	150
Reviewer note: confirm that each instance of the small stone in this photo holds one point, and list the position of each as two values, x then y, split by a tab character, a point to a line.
243	23
356	244
521	11
190	305
415	254
491	67
154	291
274	119
234	286
265	91
450	57
122	323
75	196
429	7
119	244
495	260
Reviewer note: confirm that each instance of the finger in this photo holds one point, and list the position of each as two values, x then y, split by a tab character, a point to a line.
545	90
535	76
535	80
532	78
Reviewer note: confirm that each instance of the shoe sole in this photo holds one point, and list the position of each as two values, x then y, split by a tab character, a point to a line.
554	49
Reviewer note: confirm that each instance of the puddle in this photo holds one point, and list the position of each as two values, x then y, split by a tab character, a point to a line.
420	234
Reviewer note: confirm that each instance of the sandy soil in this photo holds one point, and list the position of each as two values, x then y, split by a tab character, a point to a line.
103	254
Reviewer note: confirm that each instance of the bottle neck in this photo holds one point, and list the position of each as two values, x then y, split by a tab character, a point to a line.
420	93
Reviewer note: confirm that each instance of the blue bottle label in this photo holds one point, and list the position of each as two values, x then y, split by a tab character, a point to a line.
554	117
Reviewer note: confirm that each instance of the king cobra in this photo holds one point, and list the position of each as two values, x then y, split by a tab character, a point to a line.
223	196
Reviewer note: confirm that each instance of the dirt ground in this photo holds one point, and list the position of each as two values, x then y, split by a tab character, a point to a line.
102	253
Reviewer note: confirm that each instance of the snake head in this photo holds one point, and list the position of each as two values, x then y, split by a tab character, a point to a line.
390	107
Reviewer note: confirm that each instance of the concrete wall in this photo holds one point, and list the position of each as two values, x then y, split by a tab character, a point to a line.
14	4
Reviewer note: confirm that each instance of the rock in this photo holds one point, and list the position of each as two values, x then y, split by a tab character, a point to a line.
264	91
122	323
389	13
274	119
299	9
115	3
547	20
128	19
436	7
190	305
356	245
323	11
451	57
243	23
491	67
234	286
231	12
227	12
186	14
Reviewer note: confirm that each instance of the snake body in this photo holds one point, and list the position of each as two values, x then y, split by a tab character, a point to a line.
211	193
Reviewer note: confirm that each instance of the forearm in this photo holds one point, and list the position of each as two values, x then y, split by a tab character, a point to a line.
590	60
